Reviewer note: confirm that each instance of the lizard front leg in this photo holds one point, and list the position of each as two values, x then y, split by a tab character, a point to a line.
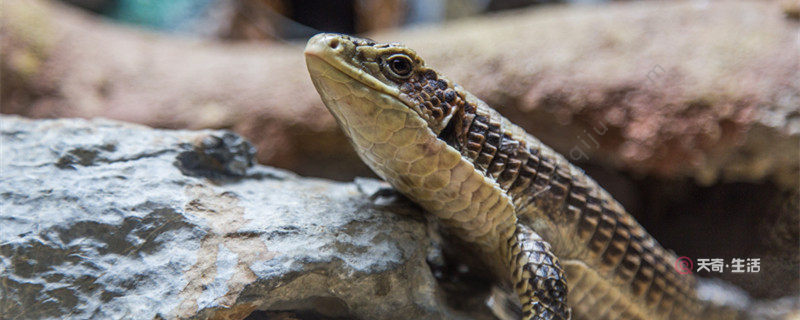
537	276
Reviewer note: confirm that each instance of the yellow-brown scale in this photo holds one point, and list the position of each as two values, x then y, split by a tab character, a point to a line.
497	187
589	230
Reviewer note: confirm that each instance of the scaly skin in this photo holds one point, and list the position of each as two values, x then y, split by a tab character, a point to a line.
531	213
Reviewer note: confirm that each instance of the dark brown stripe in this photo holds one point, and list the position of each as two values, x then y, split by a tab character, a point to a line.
489	147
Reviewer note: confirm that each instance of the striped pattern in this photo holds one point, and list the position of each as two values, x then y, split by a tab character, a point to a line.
542	184
495	186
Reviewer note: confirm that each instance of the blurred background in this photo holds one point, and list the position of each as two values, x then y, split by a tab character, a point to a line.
291	19
687	112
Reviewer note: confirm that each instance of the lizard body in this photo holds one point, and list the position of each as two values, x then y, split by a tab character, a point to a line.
540	219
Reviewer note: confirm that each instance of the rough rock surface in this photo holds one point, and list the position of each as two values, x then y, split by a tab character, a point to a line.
102	219
107	220
706	90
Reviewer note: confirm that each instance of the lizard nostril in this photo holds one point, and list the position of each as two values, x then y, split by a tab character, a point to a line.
334	43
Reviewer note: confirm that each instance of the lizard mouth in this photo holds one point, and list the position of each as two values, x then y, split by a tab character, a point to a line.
326	53
332	58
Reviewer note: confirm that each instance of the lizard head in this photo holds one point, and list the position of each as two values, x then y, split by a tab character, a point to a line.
357	78
395	111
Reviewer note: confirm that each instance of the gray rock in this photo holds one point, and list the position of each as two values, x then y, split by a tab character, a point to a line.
107	220
104	220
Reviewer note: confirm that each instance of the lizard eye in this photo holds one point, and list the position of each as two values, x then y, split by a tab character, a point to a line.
400	65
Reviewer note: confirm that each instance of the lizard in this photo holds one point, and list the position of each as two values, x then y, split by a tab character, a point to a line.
546	228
